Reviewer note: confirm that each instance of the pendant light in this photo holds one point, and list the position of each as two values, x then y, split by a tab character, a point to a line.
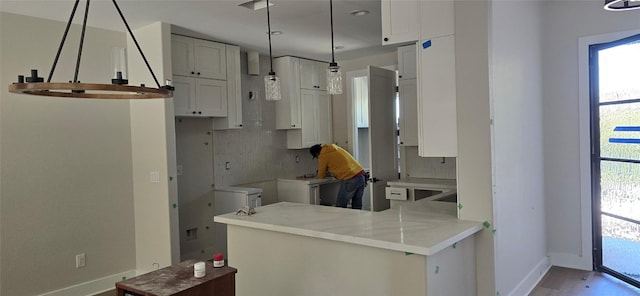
620	5
118	89
271	81
334	75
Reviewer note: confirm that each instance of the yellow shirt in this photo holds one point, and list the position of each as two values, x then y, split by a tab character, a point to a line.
337	161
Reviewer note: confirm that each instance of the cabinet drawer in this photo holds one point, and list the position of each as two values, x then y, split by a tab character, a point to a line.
396	193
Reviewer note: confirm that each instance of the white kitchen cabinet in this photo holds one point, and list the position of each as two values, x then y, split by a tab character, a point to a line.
316	124
304	111
199	97
313	75
437	123
308	191
407	62
408	95
198	58
400	21
436	19
234	95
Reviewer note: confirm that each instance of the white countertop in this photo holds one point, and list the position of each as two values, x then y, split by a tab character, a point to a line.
309	181
404	230
425	183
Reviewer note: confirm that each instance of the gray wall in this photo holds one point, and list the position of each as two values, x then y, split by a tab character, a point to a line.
66	183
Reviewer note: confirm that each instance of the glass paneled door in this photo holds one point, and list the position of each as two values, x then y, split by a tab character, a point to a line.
615	159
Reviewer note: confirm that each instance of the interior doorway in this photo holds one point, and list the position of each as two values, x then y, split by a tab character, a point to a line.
371	99
614	68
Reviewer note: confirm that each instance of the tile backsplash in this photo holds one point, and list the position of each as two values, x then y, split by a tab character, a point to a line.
257	152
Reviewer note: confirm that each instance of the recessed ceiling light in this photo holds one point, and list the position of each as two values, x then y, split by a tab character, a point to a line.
360	12
256	4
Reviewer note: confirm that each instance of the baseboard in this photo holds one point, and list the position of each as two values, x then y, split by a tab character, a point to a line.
571	261
532	279
92	287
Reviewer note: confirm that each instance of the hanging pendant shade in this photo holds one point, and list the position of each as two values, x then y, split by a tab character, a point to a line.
271	81
334	75
35	85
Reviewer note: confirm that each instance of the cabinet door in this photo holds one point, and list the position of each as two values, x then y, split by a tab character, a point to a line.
436	19
288	108
211	97
182	59
314	194
321	70
400	21
437	123
407	62
234	97
309	111
324	124
408	93
184	95
309	78
210	59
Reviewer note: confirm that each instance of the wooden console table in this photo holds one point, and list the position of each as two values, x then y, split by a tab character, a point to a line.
178	280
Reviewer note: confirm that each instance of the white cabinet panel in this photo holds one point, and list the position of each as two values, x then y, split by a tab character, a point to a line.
408	93
407	62
437	120
400	21
234	95
436	19
305	112
199	97
198	58
313	75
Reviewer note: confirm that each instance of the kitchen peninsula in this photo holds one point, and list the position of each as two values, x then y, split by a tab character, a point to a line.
300	249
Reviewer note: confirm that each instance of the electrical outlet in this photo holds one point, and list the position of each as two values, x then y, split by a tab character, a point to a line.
80	260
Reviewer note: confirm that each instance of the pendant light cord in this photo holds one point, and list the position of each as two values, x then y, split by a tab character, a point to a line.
64	37
269	33
84	28
133	37
333	59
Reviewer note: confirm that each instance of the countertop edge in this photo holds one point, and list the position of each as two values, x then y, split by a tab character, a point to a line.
427	251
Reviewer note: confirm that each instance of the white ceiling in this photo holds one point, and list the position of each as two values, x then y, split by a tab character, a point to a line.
305	23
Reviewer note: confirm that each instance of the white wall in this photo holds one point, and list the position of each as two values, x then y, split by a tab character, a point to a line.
517	146
564	22
66	165
474	134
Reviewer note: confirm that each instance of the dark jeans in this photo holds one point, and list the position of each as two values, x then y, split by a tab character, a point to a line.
351	189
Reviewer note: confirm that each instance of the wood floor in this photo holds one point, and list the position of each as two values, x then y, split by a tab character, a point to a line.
560	281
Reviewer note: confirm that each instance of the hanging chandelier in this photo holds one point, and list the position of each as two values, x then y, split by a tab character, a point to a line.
334	75
118	89
620	5
271	81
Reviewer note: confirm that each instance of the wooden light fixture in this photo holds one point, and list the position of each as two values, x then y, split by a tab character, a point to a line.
34	85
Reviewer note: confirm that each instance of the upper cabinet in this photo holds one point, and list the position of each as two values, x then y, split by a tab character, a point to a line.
313	75
408	95
305	107
198	58
407	62
400	21
431	24
438	121
234	95
206	76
